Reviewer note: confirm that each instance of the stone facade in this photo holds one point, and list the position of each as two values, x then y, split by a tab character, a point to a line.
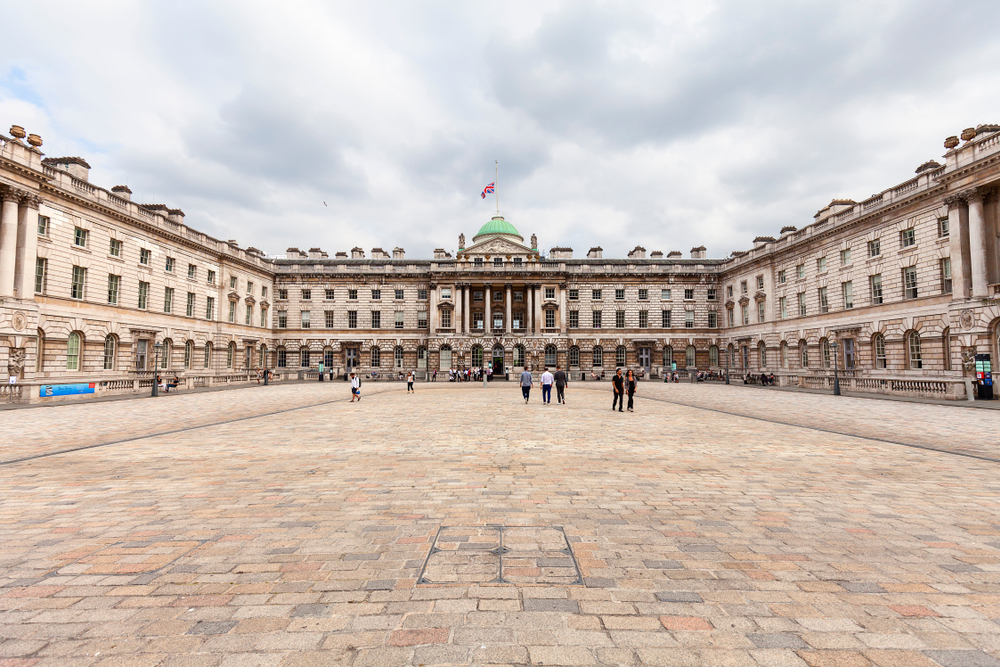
896	291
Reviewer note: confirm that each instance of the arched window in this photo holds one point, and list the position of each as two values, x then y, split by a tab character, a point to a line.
668	356
550	356
477	356
188	353
946	345
263	356
824	346
598	356
762	355
73	351
230	355
282	361
731	353
913	348
519	356
574	357
110	352
620	356
376	357
690	354
713	356
304	357
878	345
783	353
422	358
445	358
397	356
804	354
208	354
40	352
165	353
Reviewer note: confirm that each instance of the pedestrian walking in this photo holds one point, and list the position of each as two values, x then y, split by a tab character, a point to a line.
561	383
630	386
618	386
355	388
547	381
434	377
410	377
526	382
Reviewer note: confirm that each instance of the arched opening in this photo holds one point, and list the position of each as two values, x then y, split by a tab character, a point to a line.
498	360
445	358
263	356
519	356
668	357
574	357
598	354
165	353
397	357
946	347
73	345
477	356
304	357
40	352
804	354
208	354
620	356
762	355
824	346
690	356
422	358
230	354
783	353
914	355
550	356
282	360
376	355
713	356
878	350
110	352
188	354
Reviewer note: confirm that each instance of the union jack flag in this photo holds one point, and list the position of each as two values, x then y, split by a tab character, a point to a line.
489	189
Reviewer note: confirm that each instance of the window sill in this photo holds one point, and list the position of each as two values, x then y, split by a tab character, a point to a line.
79	248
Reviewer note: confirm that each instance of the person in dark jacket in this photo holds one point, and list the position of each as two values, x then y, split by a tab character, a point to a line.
618	386
630	384
561	383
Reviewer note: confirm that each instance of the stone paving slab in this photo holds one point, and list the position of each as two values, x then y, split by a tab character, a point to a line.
296	537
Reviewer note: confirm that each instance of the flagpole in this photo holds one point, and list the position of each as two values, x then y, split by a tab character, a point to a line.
496	188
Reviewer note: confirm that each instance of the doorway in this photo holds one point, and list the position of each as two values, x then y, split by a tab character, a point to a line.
645	358
352	359
498	364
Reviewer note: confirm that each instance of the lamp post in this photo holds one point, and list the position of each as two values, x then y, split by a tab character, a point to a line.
263	362
836	379
156	369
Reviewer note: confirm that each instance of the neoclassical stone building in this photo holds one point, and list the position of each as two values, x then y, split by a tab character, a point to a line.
899	291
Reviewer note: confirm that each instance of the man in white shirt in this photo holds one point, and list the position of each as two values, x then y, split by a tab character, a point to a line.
547	380
355	387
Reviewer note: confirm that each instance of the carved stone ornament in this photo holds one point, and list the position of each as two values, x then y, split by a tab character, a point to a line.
967	319
15	361
461	240
969	359
18	321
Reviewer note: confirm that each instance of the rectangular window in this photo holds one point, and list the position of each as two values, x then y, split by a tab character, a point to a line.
422	319
689	319
477	262
783	307
399	295
80	237
232	312
943	229
595	295
41	273
946	275
821	265
760	283
620	319
824	302
519	296
114	285
845	257
376	295
665	319
713	319
445	292
399	319
376	319
352	319
352	295
190	304
210	308
643	319
729	291
574	295
211	277
781	276
115	249
192	271
422	294
743	288
328	319
874	248
306	294
446	319
800	271
847	289
282	360
760	311
168	299
249	320
688	294
498	261
802	304
712	294
43	225
305	318
263	291
907	237
729	316
249	287
664	295
143	295
550	319
745	314
144	256
263	316
619	294
595	319
550	292
477	320
169	266
875	286
282	319
910	282
574	319
232	282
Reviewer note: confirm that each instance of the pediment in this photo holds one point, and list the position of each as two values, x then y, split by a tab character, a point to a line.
497	246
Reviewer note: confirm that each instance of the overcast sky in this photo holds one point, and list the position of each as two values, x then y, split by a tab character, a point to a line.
669	125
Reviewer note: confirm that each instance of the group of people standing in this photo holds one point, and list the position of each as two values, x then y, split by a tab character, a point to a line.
548	379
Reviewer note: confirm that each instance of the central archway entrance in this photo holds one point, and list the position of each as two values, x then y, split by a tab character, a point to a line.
498	364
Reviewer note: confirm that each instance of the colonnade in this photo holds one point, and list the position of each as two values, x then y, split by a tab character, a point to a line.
533	305
18	242
967	231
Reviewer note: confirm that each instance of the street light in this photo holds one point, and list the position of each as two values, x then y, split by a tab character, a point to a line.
156	369
836	380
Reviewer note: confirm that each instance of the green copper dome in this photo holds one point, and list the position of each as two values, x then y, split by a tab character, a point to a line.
498	226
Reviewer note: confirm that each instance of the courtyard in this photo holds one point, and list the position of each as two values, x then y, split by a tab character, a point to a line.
283	525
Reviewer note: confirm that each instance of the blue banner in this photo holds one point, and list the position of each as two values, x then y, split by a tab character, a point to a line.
65	389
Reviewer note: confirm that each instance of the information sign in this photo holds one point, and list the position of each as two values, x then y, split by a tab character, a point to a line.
66	389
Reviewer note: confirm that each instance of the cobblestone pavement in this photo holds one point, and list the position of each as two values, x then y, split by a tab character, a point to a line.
286	526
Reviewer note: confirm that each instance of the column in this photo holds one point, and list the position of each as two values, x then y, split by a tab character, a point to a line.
563	316
8	239
487	316
529	312
434	311
507	322
465	310
957	224
458	309
539	322
27	247
977	242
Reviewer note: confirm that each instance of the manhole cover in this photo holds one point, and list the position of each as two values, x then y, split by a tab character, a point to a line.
517	555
